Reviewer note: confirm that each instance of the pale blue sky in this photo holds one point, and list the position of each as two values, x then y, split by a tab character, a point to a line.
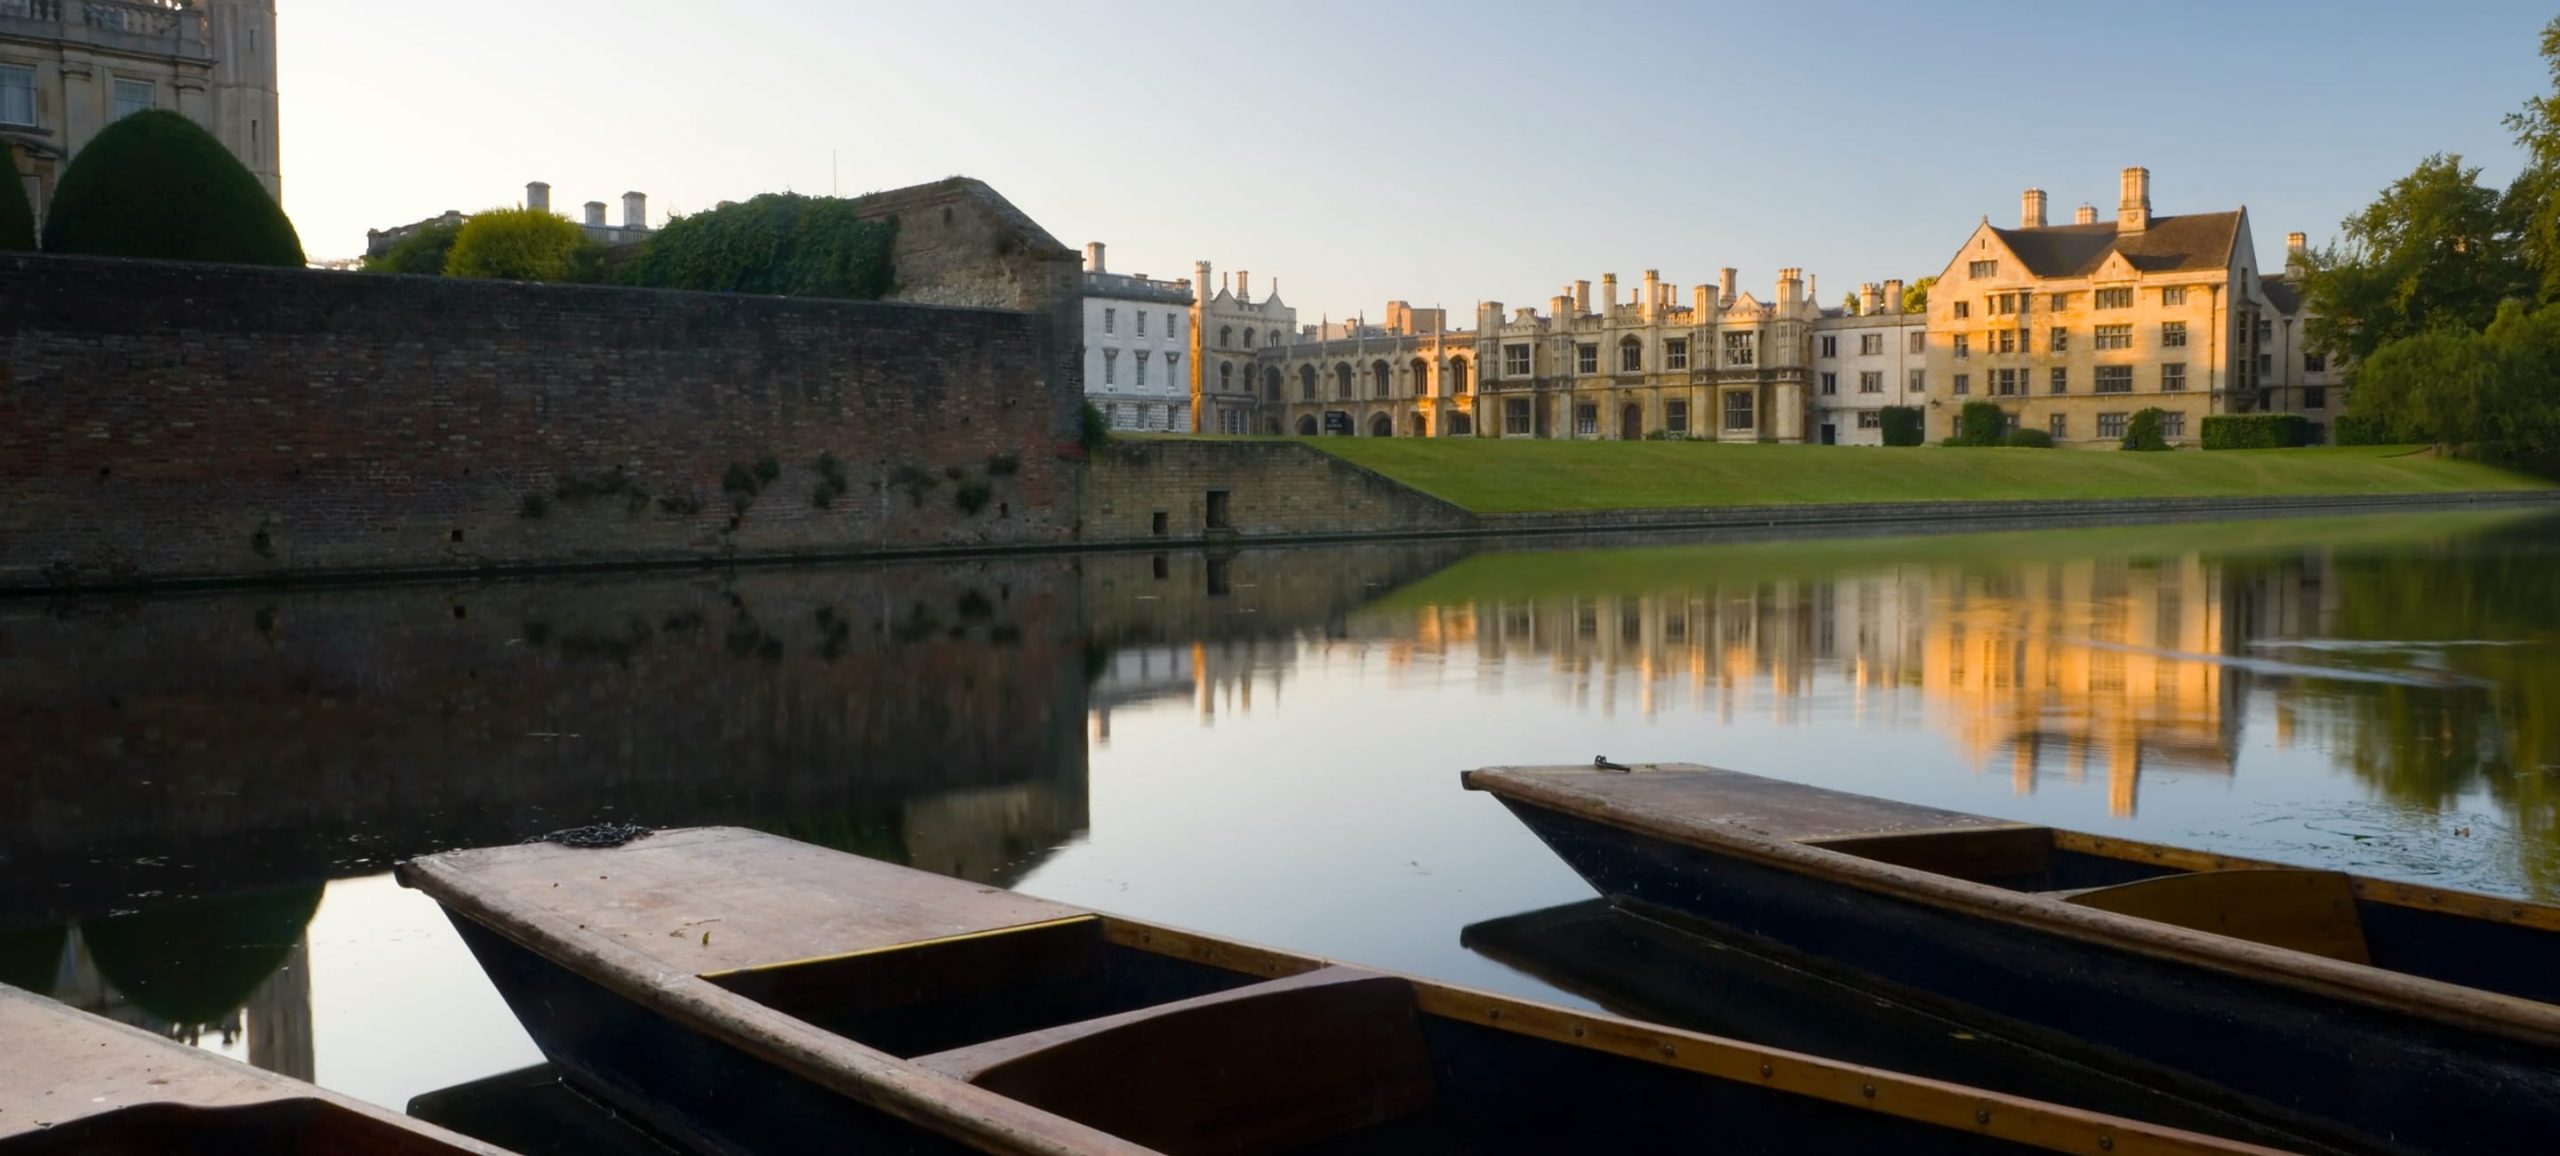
1437	152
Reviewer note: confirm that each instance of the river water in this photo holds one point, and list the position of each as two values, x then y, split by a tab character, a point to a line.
200	795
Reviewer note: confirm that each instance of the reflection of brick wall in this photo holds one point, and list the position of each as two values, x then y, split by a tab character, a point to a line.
165	420
228	741
1275	490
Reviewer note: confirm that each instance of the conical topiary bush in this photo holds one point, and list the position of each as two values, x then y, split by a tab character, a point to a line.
155	185
17	217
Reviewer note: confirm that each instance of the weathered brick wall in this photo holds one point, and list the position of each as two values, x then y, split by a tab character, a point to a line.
171	421
1274	490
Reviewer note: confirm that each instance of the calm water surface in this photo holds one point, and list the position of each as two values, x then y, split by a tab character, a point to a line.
199	796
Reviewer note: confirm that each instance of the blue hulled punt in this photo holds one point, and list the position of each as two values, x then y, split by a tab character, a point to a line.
742	993
2375	1015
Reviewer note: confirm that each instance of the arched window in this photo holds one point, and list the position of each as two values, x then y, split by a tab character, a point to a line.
1226	335
1342	382
1271	385
1631	356
1458	384
1276	338
1248	339
1306	383
1226	376
1421	377
1381	380
1307	426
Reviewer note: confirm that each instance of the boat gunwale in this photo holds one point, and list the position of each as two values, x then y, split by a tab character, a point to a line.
169	1074
890	1083
2477	1009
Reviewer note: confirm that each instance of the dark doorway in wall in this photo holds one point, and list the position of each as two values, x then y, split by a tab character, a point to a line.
1830	434
1218	510
1631	424
1160	524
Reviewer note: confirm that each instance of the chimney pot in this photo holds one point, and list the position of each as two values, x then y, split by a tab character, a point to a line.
537	196
635	211
2088	215
2296	242
1726	286
1093	258
1893	296
2133	211
1581	298
1870	299
1244	286
1609	293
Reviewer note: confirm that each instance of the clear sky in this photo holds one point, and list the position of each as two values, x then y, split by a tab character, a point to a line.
1442	153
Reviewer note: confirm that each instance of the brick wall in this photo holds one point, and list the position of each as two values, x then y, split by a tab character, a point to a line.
163	421
1273	490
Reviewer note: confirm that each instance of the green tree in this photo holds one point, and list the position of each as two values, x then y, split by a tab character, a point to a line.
2533	200
517	245
1915	296
1849	303
421	254
779	243
17	217
1980	423
2143	432
2435	249
155	185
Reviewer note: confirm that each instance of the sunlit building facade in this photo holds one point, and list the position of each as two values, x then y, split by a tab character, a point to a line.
1137	347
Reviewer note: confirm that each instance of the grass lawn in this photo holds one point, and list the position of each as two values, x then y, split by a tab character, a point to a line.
1500	476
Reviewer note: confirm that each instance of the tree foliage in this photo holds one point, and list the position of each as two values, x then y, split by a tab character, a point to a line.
421	254
1915	296
2499	387
2434	250
2533	200
17	217
1980	423
2256	431
778	243
155	185
1902	425
518	245
2143	432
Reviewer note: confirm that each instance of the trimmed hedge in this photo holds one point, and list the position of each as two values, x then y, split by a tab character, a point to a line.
2349	430
2143	432
17	217
1903	425
2256	431
778	243
154	185
2029	439
1980	423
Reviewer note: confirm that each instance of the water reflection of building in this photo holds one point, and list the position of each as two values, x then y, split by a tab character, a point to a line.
2103	666
275	1019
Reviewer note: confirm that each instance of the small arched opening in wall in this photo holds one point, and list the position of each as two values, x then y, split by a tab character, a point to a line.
1248	339
1459	382
1631	356
1421	371
1307	426
1419	427
1382	380
1383	425
1226	376
1342	382
1226	336
1306	383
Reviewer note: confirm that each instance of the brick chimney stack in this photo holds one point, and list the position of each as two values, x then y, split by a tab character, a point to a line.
2031	209
1893	296
537	196
1581	298
1727	286
1093	257
635	210
1608	293
1244	287
2088	215
595	214
1870	299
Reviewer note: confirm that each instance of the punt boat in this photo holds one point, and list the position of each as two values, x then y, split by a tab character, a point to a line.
77	1085
2378	1015
1680	976
742	993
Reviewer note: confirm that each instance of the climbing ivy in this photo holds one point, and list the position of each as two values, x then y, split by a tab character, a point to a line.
778	243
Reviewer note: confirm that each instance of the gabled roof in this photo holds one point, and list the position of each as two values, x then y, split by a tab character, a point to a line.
2281	293
2195	243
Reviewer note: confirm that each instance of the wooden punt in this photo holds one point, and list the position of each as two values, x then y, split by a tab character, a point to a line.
2372	1014
72	1083
1681	976
742	993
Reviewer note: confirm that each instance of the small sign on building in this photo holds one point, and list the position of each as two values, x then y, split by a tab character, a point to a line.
1337	423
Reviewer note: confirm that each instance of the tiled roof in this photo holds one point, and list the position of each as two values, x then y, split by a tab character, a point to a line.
2197	242
2281	293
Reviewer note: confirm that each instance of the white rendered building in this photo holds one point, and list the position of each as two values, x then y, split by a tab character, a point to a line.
1137	347
1863	361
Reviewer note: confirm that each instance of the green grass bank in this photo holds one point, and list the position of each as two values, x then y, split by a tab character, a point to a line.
1505	476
